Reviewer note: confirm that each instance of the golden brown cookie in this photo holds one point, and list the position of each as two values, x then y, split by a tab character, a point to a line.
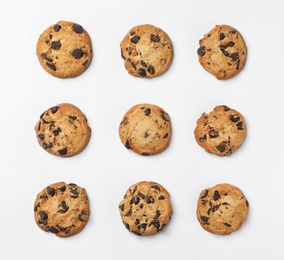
221	131
64	49
147	51
62	209
222	52
146	208
145	129
63	130
222	209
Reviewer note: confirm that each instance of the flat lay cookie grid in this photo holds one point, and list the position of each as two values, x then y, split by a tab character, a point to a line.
64	50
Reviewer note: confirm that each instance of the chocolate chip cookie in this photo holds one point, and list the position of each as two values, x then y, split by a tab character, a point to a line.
222	52
147	51
221	131
62	209
145	129
146	208
64	49
222	209
63	130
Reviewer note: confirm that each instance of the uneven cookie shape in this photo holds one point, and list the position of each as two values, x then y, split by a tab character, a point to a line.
62	209
147	51
146	208
145	129
222	52
64	49
222	209
63	130
221	131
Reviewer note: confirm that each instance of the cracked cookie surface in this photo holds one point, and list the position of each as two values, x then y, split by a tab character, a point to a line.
145	129
146	208
222	209
147	51
64	49
62	209
62	130
220	132
222	52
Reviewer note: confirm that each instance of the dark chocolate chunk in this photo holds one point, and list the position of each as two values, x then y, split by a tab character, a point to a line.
53	230
166	135
142	195
135	200
47	146
216	195
156	187
143	227
121	207
63	207
158	214
55	45
128	213
147	111
51	66
142	72
63	151
54	109
62	188
204	219
235	118
50	191
127	145
73	117
57	27
234	56
230	44
133	65
150	200
144	64
227	224
43	215
222	36
40	137
77	53
78	28
44	55
135	39
155	38
75	193
161	197
165	116
151	70
203	194
201	51
56	131
221	148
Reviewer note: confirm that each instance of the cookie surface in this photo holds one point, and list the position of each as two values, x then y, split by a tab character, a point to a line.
145	129
222	52
63	130
221	131
146	208
147	51
64	49
222	209
62	209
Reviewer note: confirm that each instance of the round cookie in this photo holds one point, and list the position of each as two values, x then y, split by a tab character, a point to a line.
147	51
64	49
221	131
146	208
222	209
62	209
63	130
222	52
145	129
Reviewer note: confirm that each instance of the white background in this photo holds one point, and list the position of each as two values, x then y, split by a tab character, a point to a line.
105	92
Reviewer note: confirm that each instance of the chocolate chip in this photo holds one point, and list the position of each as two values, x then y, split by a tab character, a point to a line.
127	145
131	33
51	66
135	39
142	226
144	64
226	108
147	111
221	148
151	70
62	188
73	117
77	53
63	207
50	191
150	200
44	56
40	137
83	216
56	131
143	196
165	136
54	109
158	214
142	72
55	45
234	56
161	197
74	191
136	233
235	118
43	215
213	133
85	63
57	27
156	187
247	203
133	65
203	194
121	207
203	138
216	195
78	28
63	151
240	126
155	38
145	154
222	36
201	51
204	219
47	146
165	116
135	200
227	224
238	64
53	230
230	44
129	213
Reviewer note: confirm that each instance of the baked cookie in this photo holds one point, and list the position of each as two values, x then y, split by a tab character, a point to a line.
221	131
63	130
62	209
222	52
146	208
222	209
64	49
147	51
145	129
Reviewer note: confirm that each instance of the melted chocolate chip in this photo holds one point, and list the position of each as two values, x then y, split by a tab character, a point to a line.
63	151
78	28
129	213
57	27
83	216
135	39
165	136
201	51
77	53
55	45
161	197
235	118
